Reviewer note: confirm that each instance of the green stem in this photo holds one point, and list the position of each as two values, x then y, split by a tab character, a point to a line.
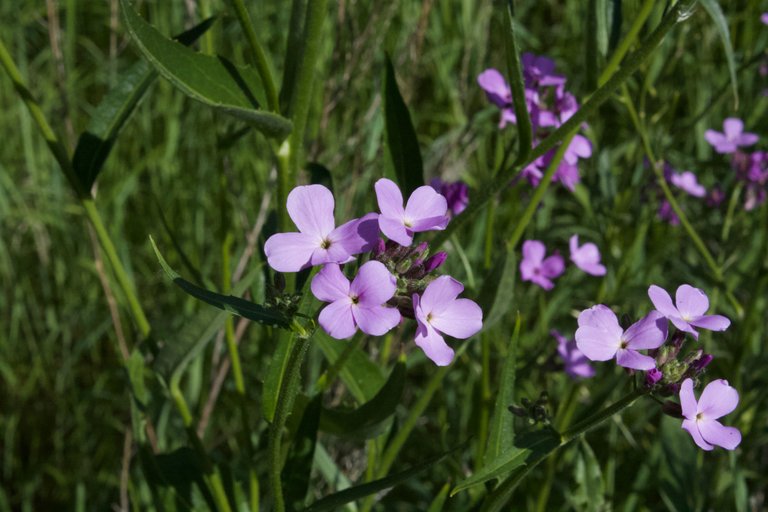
262	62
517	86
285	400
626	43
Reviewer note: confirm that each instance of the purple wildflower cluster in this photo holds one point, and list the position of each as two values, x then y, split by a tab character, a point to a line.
599	337
549	106
396	281
541	270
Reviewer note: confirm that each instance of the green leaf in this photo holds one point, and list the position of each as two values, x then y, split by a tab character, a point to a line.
95	143
589	478
498	291
211	80
230	303
366	421
275	374
362	377
401	136
298	466
502	432
336	500
721	24
135	367
517	86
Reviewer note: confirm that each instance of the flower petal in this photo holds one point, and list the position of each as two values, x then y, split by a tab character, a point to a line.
662	301
732	127
629	358
711	322
534	251
290	252
573	245
373	284
390	198
688	400
716	139
376	320
693	429
433	345
394	229
648	332
494	84
461	319
691	302
311	209
440	294
553	266
601	317
592	342
429	224
717	399
718	434
330	284
425	203
336	318
356	236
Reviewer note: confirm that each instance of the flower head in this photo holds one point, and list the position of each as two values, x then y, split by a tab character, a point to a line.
733	136
576	364
359	304
600	337
586	257
717	399
538	269
692	303
426	210
438	311
539	70
686	181
318	241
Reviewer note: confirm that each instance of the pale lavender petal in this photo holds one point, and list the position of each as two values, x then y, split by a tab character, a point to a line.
586	257
394	229
553	266
580	147
358	235
746	139
290	252
439	294
376	320
542	281
684	326
573	245
717	434
433	345
711	322
648	332
425	203
764	18
534	251
732	127
336	318
601	317
311	209
429	224
330	284
686	181
688	400
373	285
662	302
716	139
389	198
595	344
528	269
494	84
693	429
461	319
629	358
691	302
717	399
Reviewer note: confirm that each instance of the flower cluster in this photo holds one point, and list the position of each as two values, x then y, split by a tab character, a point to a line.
541	270
549	105
601	338
396	280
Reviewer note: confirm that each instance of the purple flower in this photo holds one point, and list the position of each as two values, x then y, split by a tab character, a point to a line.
666	213
733	136
360	304
686	181
580	147
536	268
586	257
692	303
717	399
600	337
439	311
764	18
576	364
318	240
652	377
426	210
456	194
540	71
495	87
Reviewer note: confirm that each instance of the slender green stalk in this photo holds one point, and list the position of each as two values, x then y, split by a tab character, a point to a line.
485	398
626	43
517	86
262	61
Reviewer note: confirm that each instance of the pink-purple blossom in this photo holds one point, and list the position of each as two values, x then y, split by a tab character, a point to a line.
456	194
689	310
539	70
687	182
575	363
600	337
732	137
439	311
536	268
764	18
318	240
359	304
700	417
426	210
586	257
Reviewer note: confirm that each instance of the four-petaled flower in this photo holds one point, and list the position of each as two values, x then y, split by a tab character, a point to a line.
318	240
426	210
600	337
692	304
586	257
439	311
359	304
686	181
576	364
733	136
538	269
717	399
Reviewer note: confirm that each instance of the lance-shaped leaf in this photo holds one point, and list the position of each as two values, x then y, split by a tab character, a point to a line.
95	143
298	466
721	24
235	305
214	81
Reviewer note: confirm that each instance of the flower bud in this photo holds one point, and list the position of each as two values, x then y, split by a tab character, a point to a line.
435	261
702	362
379	248
652	377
